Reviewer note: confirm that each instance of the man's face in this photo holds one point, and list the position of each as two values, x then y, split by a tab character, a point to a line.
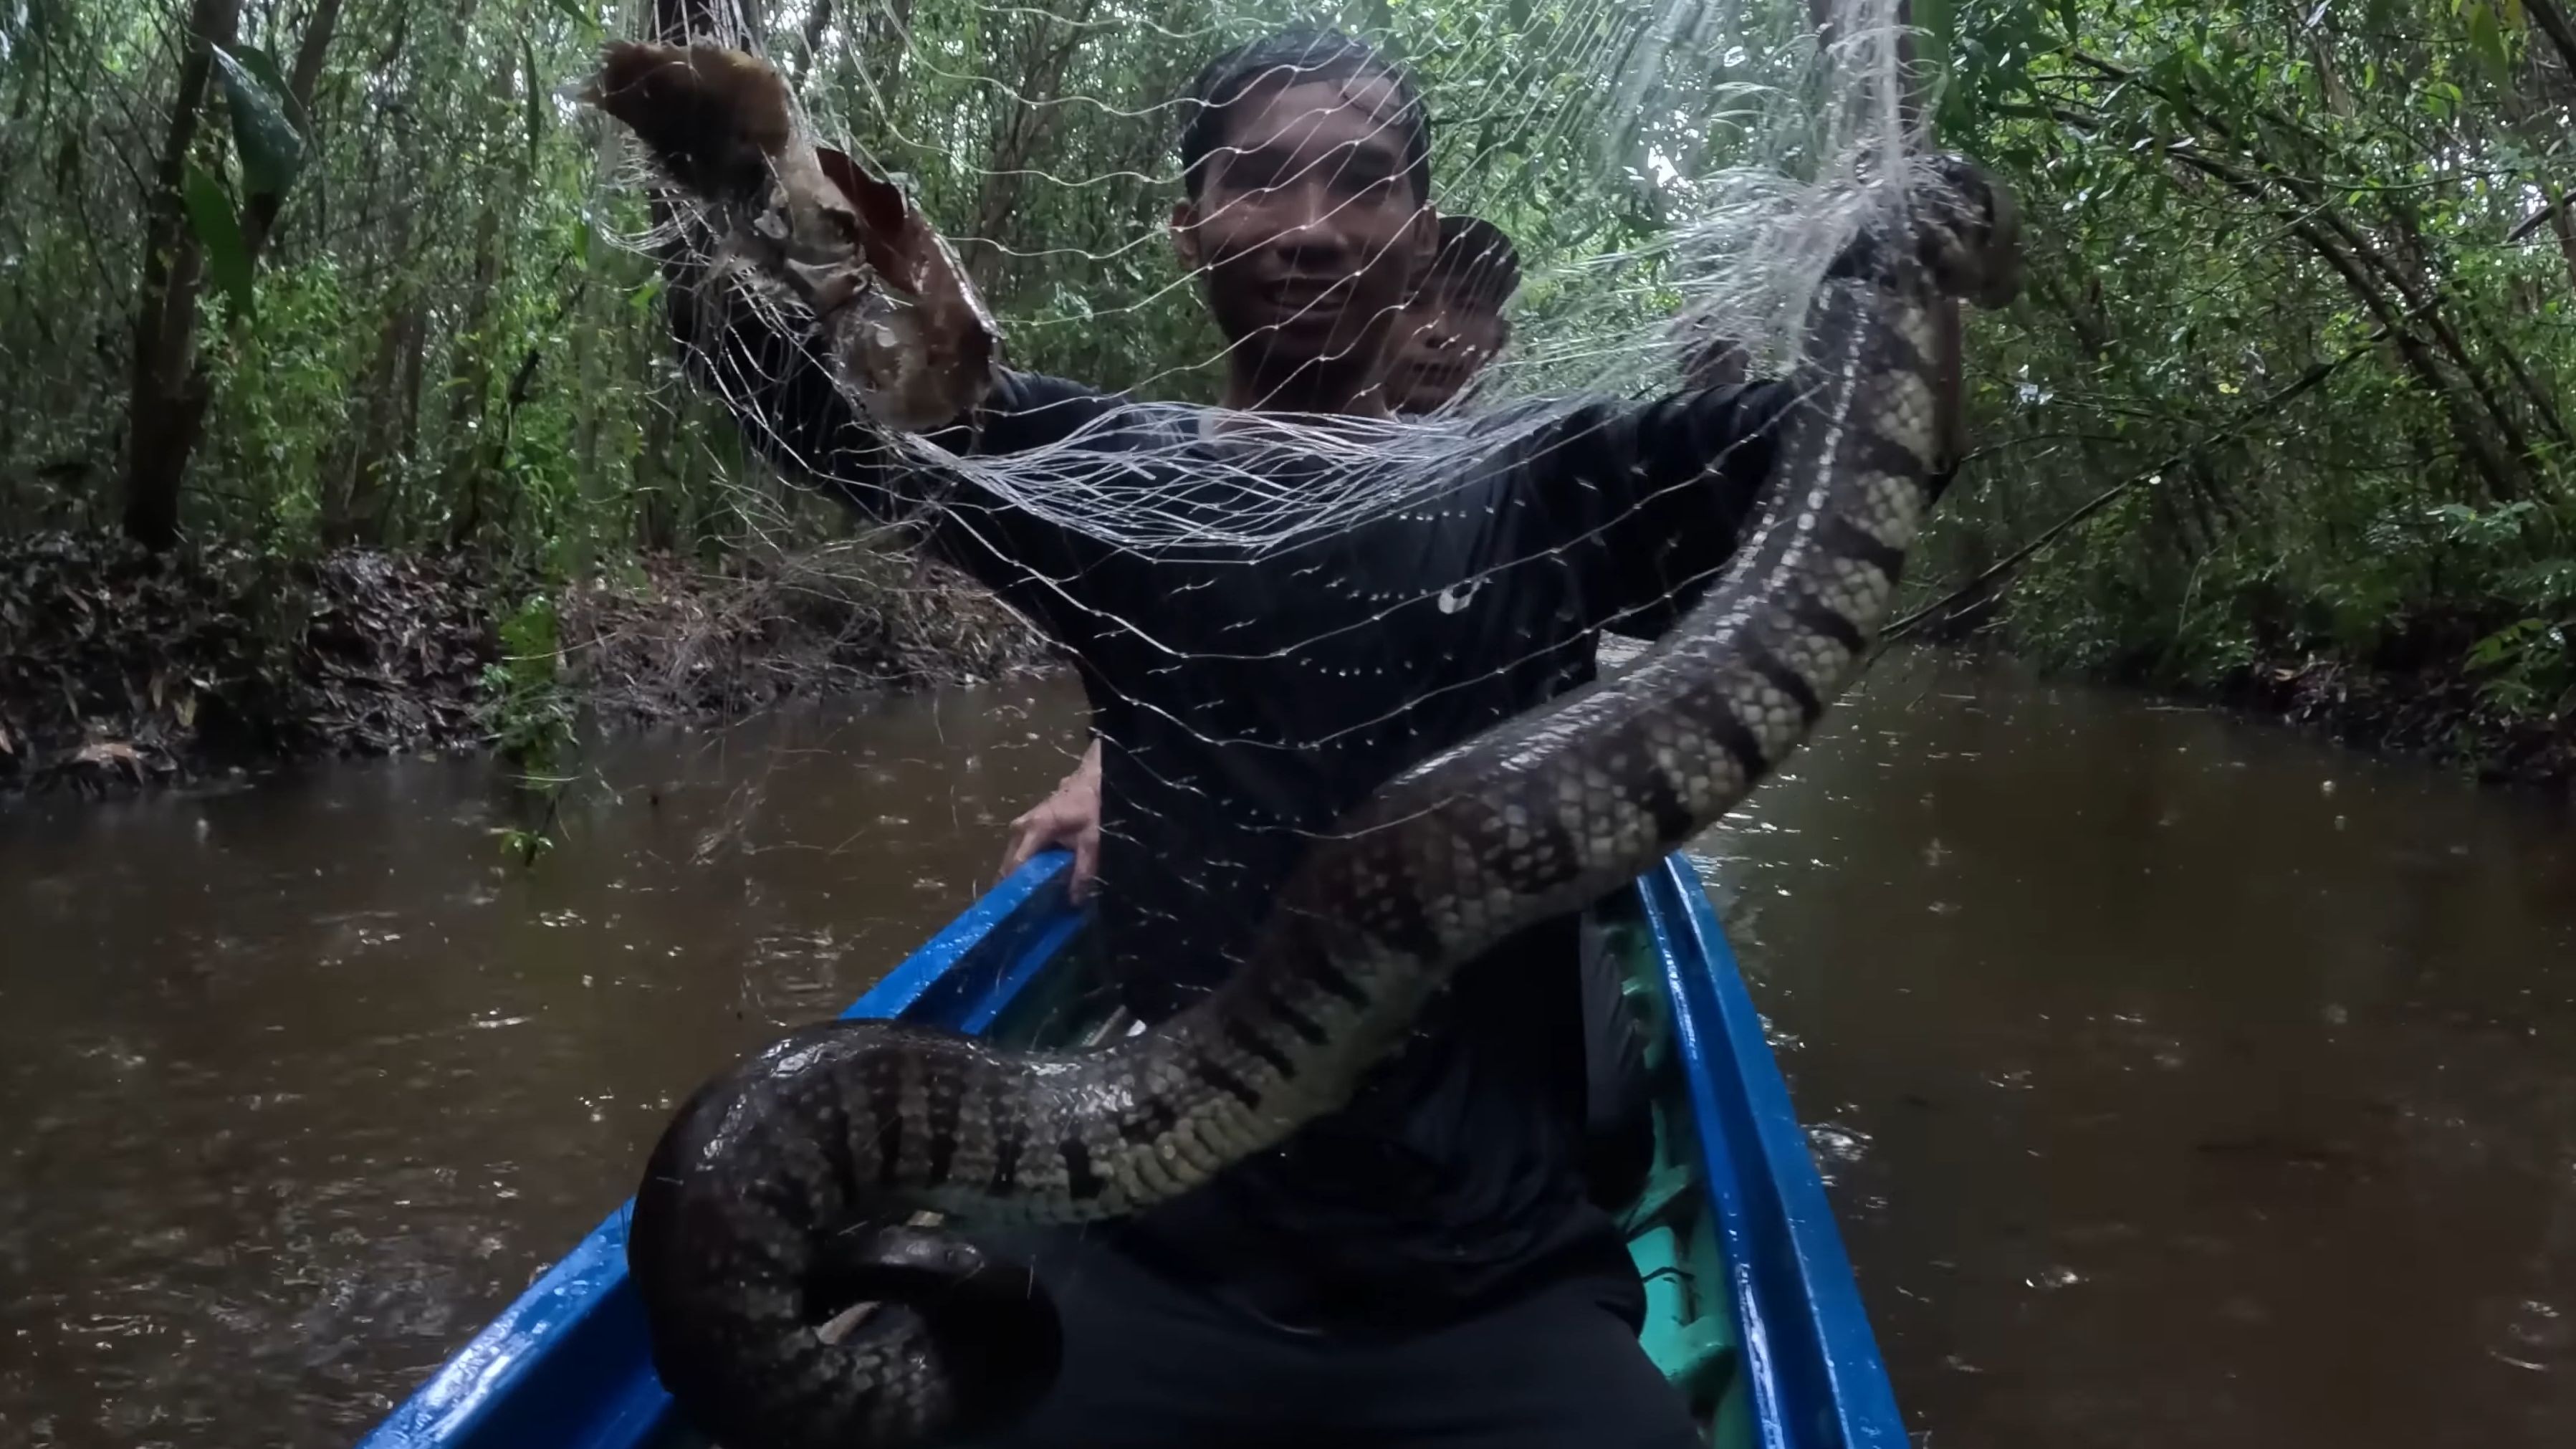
1446	336
1306	226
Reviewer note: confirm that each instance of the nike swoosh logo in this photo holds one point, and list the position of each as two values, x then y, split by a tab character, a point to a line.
1455	597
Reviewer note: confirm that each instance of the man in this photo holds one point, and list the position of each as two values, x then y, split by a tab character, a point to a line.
1429	1264
1453	324
1451	327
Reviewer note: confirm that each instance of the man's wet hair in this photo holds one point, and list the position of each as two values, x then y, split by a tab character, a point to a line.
1297	57
1476	263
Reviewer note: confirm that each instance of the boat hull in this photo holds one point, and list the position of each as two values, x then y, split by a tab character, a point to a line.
1752	1308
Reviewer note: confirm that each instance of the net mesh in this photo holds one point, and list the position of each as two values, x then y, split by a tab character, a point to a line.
1674	176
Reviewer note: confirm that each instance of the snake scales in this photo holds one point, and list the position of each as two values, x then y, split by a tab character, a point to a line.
781	1191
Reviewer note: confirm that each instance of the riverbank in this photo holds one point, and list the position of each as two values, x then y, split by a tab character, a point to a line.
2433	713
121	669
2479	687
2427	692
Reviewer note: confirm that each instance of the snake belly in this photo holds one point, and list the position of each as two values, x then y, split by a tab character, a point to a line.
779	1192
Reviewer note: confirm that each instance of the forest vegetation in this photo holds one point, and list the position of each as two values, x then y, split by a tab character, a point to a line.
338	417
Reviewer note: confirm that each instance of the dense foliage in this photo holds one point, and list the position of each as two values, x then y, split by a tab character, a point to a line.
2291	377
2304	283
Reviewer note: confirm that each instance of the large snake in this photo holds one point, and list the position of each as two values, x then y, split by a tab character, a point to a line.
784	1191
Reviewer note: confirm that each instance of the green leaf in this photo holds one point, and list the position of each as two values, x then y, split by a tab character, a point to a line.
210	216
579	14
2504	643
264	65
264	131
2486	37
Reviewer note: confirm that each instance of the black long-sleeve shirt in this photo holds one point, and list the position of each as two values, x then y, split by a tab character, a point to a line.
1247	703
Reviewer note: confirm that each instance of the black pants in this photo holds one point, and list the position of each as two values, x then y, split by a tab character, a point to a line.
1150	1364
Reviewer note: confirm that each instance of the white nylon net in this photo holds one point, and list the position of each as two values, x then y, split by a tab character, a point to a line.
1670	175
1674	176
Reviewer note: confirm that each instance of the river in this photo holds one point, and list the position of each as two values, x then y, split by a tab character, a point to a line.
2178	1080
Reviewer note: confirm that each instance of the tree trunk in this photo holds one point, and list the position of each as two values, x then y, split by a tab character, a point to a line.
818	18
469	373
723	22
2553	23
415	373
2562	225
167	410
1045	53
2424	304
355	509
166	406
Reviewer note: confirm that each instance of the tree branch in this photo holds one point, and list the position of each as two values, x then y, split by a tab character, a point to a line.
2537	220
2268	405
2552	22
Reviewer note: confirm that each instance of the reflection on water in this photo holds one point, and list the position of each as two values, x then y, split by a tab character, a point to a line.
2182	1082
306	1081
2179	1082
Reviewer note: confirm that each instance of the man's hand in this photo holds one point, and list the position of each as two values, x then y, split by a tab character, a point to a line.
714	118
1069	817
901	321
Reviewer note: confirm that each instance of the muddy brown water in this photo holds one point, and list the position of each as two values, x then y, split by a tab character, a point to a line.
2178	1080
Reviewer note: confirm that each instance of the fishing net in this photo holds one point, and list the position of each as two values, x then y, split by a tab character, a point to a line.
1674	175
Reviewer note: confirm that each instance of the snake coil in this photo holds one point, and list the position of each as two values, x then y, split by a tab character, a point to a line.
780	1192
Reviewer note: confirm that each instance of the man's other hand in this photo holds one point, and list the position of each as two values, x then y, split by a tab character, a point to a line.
1070	818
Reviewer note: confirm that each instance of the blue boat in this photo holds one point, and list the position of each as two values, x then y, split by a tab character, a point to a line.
1751	1308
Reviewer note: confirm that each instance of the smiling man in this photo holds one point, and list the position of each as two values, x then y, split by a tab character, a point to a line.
1305	221
1433	1263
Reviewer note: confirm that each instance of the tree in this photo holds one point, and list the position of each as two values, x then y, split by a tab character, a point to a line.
169	392
171	386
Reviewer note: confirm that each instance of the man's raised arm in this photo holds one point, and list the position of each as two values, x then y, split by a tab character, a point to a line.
818	305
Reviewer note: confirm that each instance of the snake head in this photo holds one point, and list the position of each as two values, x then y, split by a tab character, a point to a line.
1967	232
1951	229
